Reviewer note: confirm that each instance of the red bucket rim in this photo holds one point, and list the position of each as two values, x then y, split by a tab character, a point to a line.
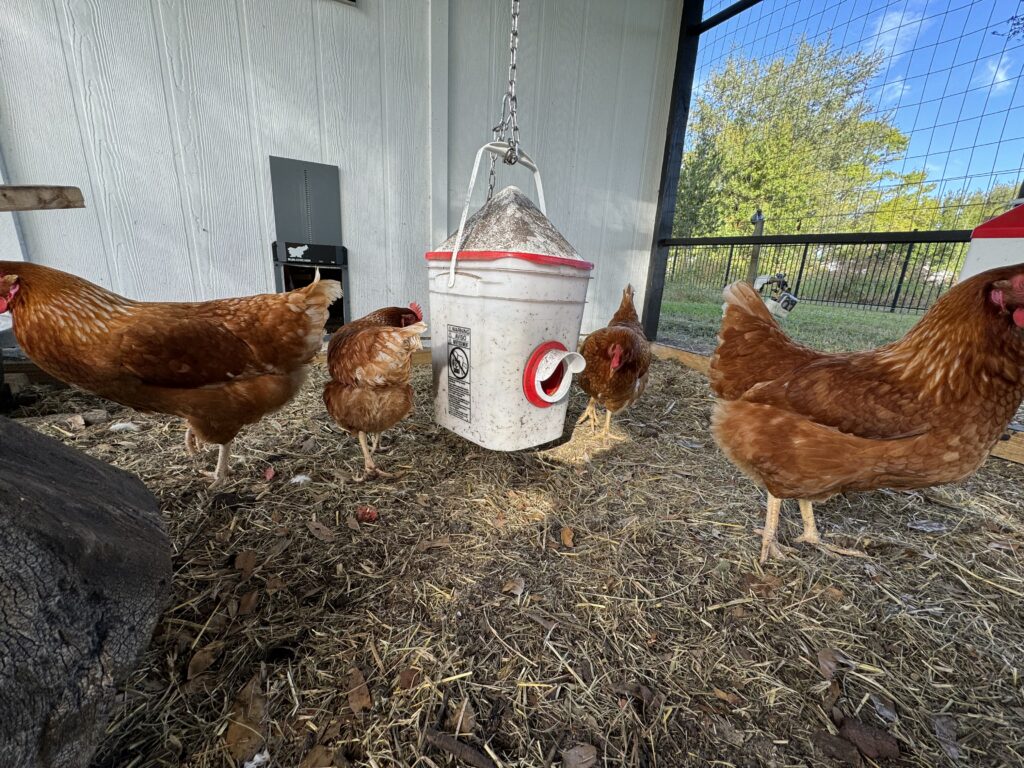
536	258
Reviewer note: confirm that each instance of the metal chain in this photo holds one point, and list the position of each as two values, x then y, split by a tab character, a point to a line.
507	128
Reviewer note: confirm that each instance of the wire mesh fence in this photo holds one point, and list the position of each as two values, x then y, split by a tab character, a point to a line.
898	124
922	103
894	272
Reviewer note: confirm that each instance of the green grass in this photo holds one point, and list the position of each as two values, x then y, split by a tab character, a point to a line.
690	319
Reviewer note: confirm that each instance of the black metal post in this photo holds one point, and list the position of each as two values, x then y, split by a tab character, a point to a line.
800	273
724	15
679	113
903	274
728	266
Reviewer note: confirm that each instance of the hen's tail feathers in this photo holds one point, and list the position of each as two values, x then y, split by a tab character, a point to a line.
412	330
322	292
751	346
417	310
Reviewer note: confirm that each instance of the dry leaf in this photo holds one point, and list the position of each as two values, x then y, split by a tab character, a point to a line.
203	659
366	513
246	563
76	422
248	602
309	445
548	624
320	530
637	691
358	694
409	678
829	660
837	748
444	541
244	734
567	537
872	742
422	499
331	732
832	695
274	584
580	756
279	548
732	699
764	585
514	586
884	708
833	594
462	719
945	731
352	523
318	757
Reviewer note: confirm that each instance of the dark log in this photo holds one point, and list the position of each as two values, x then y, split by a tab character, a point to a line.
85	572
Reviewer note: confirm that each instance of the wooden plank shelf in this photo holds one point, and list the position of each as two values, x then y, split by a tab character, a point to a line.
39	198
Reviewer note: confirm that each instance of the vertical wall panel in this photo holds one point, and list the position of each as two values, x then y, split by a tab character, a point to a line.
215	139
349	42
35	82
119	101
281	55
404	82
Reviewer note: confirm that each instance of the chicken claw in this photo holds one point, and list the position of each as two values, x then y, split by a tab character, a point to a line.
371	471
770	532
607	433
811	535
223	472
589	414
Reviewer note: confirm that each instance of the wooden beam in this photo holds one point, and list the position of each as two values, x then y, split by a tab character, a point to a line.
1012	449
699	363
39	198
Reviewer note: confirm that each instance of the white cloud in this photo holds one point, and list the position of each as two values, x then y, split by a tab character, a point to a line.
897	30
893	91
996	73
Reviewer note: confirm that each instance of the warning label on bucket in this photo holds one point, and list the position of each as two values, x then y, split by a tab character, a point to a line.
458	373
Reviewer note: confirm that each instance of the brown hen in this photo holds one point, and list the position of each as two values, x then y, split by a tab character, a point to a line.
618	357
370	362
218	364
922	411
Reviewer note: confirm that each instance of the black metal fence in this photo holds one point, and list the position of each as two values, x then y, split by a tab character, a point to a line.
885	271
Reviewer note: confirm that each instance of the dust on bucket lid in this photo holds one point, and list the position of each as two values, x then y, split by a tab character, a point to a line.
509	225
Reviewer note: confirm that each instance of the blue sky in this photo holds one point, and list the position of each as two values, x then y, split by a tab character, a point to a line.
951	84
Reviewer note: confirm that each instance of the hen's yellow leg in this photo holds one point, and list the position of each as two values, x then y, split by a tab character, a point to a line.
589	414
191	441
223	472
607	434
769	536
375	443
371	468
811	535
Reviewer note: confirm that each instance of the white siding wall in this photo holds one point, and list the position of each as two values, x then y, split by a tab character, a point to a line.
164	113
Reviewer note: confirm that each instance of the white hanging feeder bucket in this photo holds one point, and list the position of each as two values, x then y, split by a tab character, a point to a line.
998	242
507	293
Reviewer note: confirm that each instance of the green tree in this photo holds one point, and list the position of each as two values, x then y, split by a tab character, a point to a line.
797	137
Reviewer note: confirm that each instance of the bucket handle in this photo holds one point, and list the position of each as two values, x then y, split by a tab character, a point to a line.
499	148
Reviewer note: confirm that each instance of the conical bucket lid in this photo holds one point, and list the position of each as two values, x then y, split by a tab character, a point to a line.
510	224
